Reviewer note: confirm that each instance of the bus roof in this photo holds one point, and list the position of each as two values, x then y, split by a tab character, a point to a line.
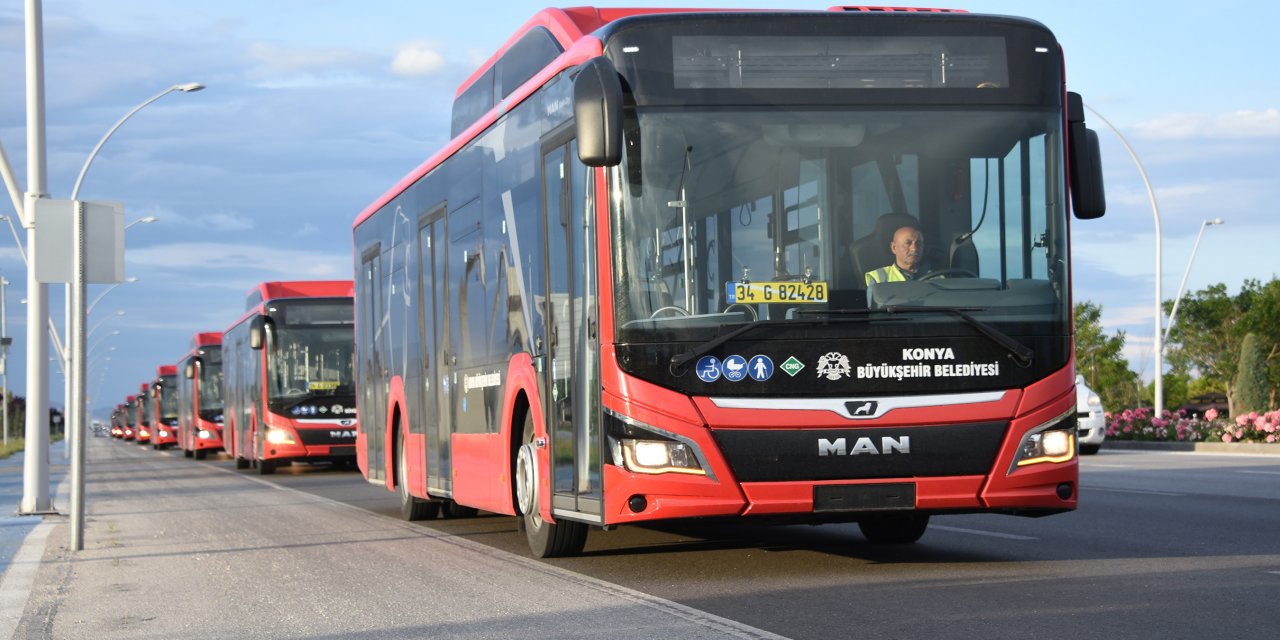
206	339
167	370
298	289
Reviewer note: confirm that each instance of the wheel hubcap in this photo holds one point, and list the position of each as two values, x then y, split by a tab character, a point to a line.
526	479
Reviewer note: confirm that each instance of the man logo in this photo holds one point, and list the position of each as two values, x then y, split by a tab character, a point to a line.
888	445
342	434
861	408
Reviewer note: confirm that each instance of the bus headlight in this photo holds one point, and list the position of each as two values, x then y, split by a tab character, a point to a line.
659	456
1053	441
164	433
280	436
204	434
642	448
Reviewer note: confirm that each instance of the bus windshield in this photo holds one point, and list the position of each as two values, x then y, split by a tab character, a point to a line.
311	363
730	215
211	384
169	398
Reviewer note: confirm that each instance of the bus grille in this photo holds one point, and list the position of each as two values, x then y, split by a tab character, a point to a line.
771	455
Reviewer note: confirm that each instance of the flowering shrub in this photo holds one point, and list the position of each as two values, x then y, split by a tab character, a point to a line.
1177	426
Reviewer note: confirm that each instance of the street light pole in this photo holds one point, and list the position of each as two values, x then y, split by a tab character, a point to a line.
76	303
1158	335
5	341
35	466
1173	313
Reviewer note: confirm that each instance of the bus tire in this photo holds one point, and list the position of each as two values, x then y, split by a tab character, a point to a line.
187	453
241	463
199	454
546	539
411	507
894	528
266	467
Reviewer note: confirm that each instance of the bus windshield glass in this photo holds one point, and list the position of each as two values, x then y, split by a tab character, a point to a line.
729	215
169	398
310	367
211	383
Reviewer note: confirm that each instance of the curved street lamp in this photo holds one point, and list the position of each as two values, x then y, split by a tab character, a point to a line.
1158	401
1173	313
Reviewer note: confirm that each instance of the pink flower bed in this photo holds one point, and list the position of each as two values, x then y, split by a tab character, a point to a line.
1177	426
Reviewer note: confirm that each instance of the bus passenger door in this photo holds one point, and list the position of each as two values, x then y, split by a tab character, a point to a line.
571	390
434	324
373	398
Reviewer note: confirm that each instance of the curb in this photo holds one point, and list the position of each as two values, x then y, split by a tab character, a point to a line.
1250	448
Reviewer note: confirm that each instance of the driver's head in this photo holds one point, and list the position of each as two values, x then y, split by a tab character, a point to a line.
907	248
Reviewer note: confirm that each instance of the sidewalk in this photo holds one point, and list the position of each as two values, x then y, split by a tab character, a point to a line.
181	549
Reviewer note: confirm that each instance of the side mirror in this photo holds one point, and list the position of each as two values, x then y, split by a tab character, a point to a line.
597	110
257	332
1088	197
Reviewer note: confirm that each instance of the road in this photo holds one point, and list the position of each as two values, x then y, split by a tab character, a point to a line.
1165	545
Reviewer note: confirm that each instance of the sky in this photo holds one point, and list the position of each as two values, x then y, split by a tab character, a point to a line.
315	108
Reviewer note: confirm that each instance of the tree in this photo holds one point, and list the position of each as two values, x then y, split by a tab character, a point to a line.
1202	338
1253	389
1100	359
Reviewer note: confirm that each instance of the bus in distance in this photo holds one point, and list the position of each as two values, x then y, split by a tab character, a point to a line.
129	418
163	399
289	394
795	266
200	397
142	435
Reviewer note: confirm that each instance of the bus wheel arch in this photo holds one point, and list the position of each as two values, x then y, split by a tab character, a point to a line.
546	539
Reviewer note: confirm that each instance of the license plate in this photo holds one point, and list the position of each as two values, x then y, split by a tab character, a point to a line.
771	292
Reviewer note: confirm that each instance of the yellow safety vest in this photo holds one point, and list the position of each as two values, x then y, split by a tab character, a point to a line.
890	273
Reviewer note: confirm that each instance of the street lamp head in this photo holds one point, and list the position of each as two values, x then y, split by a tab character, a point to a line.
189	87
131	279
1213	221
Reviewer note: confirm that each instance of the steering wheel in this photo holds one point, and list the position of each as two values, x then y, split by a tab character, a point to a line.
738	306
674	311
947	272
294	392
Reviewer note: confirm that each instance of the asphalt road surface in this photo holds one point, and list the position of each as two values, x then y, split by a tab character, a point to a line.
1164	545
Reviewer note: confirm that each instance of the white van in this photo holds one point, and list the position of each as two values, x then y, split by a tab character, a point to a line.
1091	428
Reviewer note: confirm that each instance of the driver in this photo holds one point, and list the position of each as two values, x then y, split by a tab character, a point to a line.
909	261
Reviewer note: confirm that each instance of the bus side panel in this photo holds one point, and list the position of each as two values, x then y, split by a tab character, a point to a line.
475	476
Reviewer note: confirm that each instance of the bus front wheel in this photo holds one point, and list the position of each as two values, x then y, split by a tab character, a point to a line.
546	539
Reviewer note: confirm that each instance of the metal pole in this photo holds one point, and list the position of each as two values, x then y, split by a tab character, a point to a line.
76	381
1158	337
35	477
1173	313
4	359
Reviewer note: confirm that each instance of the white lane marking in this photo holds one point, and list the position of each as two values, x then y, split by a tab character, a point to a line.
1262	473
993	534
1144	492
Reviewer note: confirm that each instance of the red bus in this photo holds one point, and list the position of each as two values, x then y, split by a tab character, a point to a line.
289	390
117	422
130	417
142	403
200	397
163	401
638	284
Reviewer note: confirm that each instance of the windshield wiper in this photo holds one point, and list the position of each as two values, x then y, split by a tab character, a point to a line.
1022	354
680	360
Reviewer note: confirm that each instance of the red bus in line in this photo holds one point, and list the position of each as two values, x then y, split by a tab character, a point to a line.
289	379
200	397
130	417
640	283
163	400
117	422
142	434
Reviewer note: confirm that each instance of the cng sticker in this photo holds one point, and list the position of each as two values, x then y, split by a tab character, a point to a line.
791	366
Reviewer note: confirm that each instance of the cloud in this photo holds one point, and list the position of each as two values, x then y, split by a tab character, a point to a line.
266	262
1243	124
417	58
